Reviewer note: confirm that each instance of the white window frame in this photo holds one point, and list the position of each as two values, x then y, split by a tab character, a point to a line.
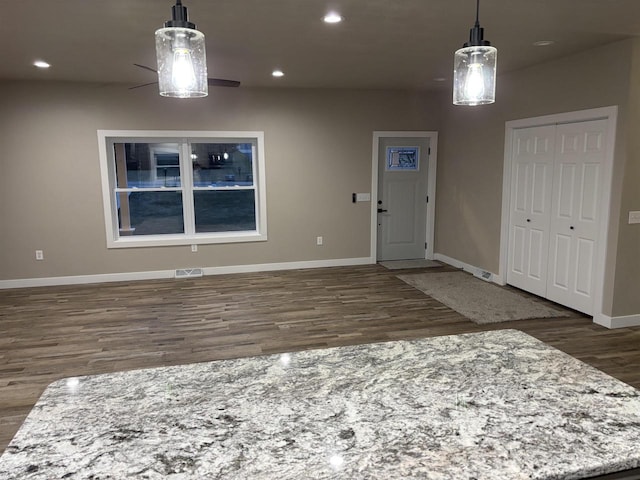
106	140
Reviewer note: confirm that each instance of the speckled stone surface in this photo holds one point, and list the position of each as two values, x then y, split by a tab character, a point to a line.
495	405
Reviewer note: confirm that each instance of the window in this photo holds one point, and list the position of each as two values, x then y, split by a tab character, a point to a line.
180	188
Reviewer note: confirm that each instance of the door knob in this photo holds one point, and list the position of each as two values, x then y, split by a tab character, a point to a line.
571	227
528	219
381	210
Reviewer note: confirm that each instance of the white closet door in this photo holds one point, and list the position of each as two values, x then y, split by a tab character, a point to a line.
575	220
531	181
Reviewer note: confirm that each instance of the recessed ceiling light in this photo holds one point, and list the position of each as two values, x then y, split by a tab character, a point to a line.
41	64
277	73
332	17
543	43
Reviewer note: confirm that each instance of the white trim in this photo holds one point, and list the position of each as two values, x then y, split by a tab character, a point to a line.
185	239
84	279
617	322
108	180
188	207
177	134
431	185
152	275
270	267
431	192
475	271
611	115
261	181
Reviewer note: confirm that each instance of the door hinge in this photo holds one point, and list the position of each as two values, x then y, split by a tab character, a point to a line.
427	198
429	151
425	245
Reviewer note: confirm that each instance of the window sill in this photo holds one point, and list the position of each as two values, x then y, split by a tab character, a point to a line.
176	240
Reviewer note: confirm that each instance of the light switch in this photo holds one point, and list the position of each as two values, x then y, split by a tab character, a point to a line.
363	197
634	217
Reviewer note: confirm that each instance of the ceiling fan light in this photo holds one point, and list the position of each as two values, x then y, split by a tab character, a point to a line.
181	57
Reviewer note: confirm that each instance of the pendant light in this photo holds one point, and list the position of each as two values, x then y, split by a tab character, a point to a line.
474	69
182	61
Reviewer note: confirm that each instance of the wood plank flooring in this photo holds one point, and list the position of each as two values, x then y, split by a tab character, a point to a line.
50	333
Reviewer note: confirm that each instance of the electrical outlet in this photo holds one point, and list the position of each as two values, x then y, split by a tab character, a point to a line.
194	248
319	240
39	255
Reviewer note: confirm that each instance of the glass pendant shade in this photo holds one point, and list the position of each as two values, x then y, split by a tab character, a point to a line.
182	62
474	75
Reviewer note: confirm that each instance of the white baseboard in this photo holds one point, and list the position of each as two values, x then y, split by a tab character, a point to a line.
475	271
84	279
270	267
153	275
617	322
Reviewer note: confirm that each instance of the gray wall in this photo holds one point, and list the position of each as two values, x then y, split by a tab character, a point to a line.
626	297
469	185
318	151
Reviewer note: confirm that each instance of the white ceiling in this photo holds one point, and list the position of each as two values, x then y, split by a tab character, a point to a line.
380	44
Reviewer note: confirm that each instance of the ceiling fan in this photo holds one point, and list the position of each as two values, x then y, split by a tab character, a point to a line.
212	82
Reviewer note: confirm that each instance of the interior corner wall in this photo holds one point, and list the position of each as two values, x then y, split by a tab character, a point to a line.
471	155
317	149
626	291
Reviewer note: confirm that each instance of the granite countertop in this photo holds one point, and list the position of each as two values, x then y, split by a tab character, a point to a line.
495	405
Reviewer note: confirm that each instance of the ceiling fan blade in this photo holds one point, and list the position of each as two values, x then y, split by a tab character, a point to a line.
146	68
143	85
219	82
212	82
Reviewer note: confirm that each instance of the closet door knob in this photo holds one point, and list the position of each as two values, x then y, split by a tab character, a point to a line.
571	227
528	219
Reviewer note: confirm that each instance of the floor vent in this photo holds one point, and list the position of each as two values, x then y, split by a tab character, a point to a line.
189	272
483	274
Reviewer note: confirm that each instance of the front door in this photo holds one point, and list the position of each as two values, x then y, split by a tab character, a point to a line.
402	197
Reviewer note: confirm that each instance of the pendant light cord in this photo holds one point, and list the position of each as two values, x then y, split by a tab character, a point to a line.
476	33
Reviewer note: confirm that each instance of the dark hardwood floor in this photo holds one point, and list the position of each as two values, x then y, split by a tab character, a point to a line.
50	333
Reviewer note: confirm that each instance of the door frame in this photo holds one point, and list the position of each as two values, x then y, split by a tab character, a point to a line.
431	186
605	113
